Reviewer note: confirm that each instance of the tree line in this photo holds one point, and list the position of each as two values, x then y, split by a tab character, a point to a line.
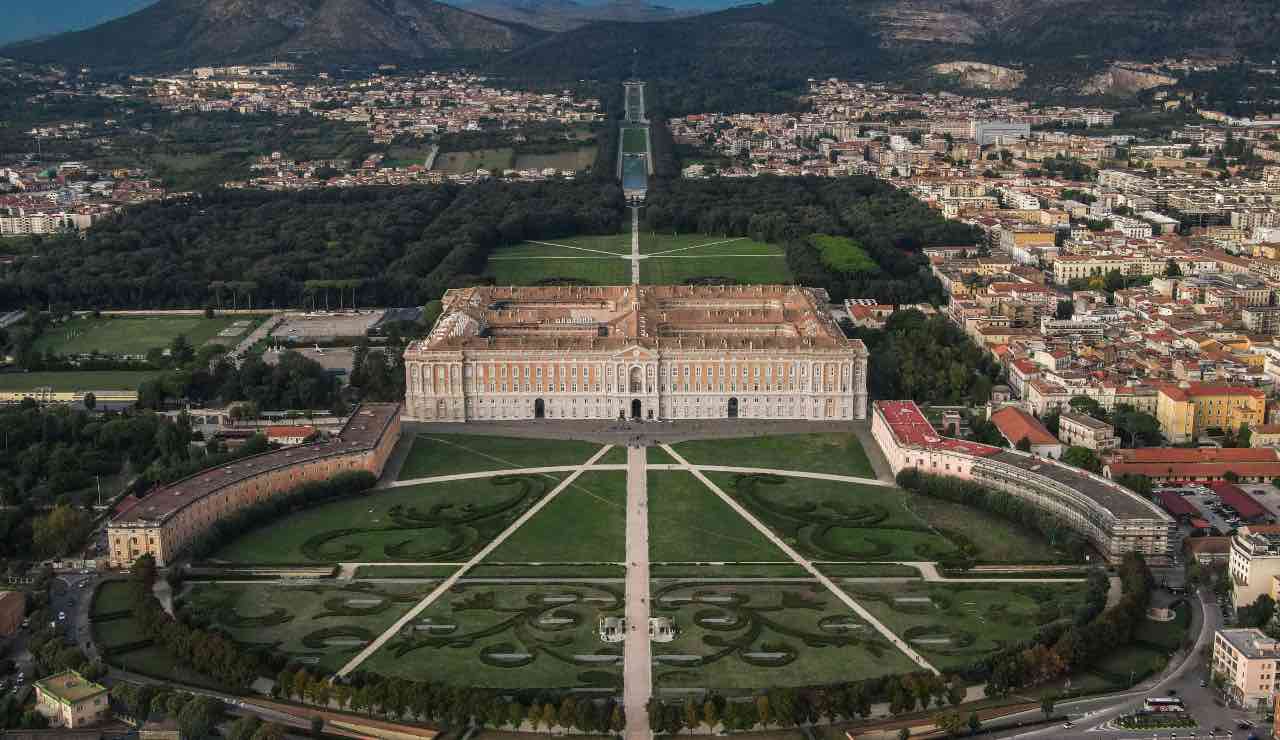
889	224
927	359
405	244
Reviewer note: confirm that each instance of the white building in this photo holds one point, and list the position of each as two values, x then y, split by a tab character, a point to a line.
1254	559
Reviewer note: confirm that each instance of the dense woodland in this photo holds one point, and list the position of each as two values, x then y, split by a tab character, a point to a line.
928	360
890	225
404	245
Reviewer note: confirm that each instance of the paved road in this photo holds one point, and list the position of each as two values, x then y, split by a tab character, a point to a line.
831	586
449	582
637	666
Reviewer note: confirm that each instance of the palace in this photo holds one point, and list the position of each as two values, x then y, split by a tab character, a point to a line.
644	352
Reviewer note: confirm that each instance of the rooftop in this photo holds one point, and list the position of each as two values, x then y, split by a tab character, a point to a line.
1252	642
1016	425
713	317
362	431
70	687
1085	420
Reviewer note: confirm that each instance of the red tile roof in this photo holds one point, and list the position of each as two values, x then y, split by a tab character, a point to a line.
912	429
1235	497
1196	454
1194	390
1016	425
1176	505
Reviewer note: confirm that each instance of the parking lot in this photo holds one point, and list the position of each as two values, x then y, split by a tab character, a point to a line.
317	327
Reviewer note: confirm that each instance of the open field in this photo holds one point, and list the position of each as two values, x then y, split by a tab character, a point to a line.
837	453
687	522
135	336
320	625
585	523
510	636
954	625
997	540
574	160
670	259
739	636
461	162
446	454
433	522
89	380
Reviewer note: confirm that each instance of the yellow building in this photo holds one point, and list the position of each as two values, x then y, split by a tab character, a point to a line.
71	700
1186	410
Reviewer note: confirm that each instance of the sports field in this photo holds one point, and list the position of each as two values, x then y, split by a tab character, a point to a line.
668	259
135	336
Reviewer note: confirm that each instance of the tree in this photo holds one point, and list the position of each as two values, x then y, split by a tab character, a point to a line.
617	719
692	714
270	731
1064	310
198	716
58	532
904	733
950	723
762	710
710	714
1046	705
974	723
955	693
1082	457
90	401
244	728
317	726
1024	444
1171	269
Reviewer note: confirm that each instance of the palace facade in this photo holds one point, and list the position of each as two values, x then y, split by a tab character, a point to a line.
645	352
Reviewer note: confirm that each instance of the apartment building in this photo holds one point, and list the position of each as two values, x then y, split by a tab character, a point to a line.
1254	561
1185	411
1248	659
1082	430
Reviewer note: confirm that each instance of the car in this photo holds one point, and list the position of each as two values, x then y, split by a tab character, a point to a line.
1173	692
1068	725
1203	683
62	616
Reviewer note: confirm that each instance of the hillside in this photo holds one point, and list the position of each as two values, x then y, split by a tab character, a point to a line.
566	15
749	57
186	32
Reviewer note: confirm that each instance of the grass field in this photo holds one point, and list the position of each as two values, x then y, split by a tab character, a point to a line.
687	522
510	636
837	453
739	636
998	540
635	140
670	259
434	522
954	625
827	520
585	523
95	380
843	254
320	625
461	162
133	336
446	454
573	159
1165	635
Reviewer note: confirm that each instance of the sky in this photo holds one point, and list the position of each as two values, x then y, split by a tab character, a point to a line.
24	19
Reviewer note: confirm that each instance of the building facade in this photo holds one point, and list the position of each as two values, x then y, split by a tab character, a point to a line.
1185	411
1248	659
643	352
1253	562
1082	430
167	520
1112	518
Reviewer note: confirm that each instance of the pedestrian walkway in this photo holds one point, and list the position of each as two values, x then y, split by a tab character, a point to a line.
831	586
635	245
637	661
449	582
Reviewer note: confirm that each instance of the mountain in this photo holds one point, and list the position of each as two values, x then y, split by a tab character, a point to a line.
565	15
29	19
186	32
757	57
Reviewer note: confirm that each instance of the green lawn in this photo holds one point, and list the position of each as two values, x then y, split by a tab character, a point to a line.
116	596
742	636
828	520
1165	635
727	571
998	540
135	336
407	571
617	455
323	625
837	453
676	269
687	522
843	254
954	625
586	523
573	159
446	454
461	162
433	522
510	636
635	140
89	380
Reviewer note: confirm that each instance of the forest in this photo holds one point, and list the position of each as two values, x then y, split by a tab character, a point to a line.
927	359
890	225
405	245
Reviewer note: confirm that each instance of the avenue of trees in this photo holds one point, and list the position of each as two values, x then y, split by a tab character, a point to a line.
405	245
890	225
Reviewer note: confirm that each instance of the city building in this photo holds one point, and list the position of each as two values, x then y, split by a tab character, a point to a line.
1019	427
284	434
1082	430
1199	465
168	519
1187	410
1112	518
13	609
1254	560
643	352
1248	659
70	700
